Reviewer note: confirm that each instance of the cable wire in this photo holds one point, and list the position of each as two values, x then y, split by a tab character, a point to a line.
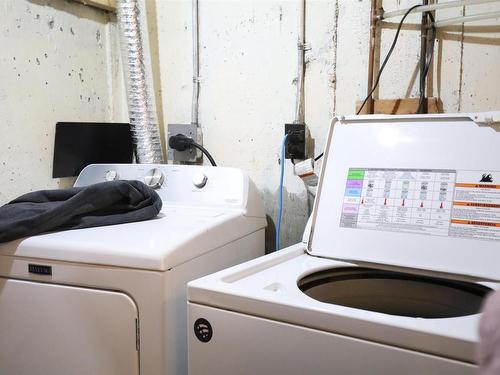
386	59
204	150
280	204
429	53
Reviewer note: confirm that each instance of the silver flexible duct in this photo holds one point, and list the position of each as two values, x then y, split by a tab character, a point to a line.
141	102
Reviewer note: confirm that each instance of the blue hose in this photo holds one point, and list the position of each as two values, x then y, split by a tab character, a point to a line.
280	205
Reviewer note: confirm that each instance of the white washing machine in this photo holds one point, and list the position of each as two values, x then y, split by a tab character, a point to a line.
402	249
112	300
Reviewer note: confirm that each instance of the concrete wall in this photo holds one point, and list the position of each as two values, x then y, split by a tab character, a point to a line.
249	64
59	62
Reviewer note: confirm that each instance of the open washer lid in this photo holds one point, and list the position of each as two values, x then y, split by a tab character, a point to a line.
420	192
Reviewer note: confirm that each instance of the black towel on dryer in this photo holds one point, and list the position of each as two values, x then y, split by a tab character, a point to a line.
105	203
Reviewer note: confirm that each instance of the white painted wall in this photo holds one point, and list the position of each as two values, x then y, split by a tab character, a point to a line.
59	62
248	66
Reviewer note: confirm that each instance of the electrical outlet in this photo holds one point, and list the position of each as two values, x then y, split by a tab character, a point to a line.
296	146
191	155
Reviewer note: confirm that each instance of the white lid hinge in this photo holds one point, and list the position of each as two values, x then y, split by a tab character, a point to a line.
491	120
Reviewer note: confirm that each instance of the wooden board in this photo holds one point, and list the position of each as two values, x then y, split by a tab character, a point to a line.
109	5
400	106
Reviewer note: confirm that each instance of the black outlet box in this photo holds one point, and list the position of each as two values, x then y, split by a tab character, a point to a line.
296	143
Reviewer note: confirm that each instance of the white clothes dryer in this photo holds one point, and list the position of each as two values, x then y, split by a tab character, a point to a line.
403	246
112	300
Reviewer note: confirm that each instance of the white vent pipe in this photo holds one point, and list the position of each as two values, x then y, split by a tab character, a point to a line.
469	18
301	47
196	64
431	7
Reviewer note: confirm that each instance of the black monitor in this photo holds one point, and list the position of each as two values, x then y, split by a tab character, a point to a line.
78	144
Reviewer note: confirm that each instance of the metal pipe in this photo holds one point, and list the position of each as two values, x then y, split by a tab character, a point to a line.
371	54
196	64
470	18
141	101
299	107
431	7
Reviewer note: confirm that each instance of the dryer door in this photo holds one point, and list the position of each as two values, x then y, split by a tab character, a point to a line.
56	329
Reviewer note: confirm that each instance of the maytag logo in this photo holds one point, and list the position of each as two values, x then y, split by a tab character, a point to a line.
487	177
39	269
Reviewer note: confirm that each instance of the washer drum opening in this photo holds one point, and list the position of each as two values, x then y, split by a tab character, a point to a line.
394	293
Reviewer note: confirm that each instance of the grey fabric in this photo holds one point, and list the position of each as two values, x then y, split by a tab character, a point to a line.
489	336
105	203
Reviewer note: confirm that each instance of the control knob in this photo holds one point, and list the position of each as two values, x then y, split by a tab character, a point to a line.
111	175
154	178
200	180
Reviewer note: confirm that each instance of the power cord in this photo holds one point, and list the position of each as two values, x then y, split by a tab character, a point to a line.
382	67
386	59
429	54
180	142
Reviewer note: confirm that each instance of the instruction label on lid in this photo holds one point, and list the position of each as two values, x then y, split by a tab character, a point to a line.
476	205
427	201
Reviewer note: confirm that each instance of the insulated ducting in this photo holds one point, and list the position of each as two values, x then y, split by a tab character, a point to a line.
141	102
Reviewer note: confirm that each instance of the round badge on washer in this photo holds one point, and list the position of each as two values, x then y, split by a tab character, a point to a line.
203	330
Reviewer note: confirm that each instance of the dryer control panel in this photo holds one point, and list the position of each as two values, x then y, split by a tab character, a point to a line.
183	185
